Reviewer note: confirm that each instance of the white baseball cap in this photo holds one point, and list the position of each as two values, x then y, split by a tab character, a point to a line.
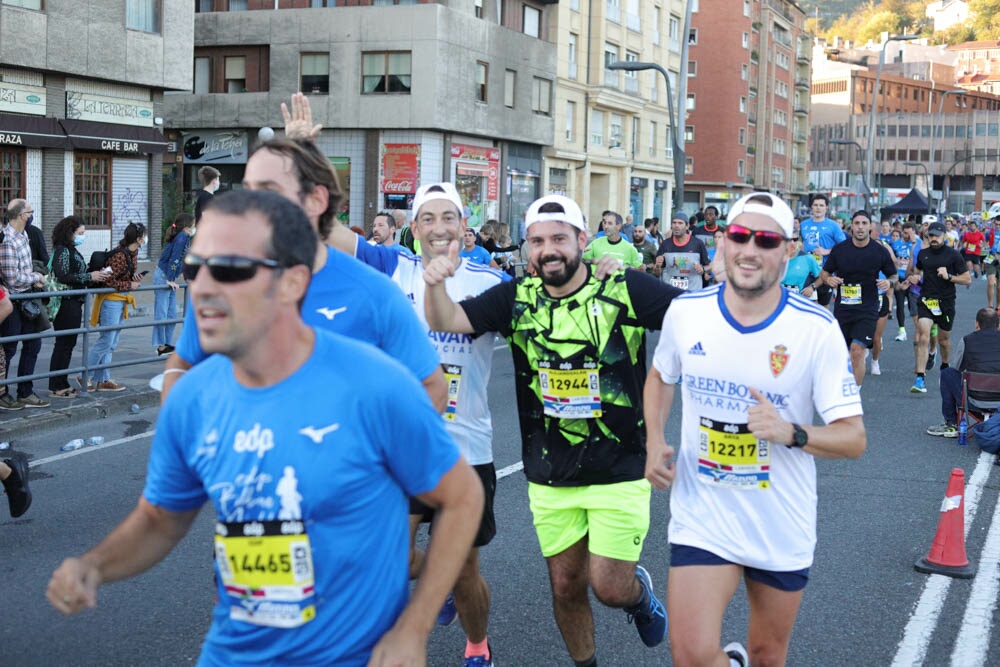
569	214
444	191
778	210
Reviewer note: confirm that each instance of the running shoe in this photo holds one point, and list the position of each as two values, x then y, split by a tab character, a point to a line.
876	369
479	660
901	336
930	361
651	622
919	386
16	485
736	652
946	430
448	613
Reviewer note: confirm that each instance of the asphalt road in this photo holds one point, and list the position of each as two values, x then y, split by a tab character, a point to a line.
865	604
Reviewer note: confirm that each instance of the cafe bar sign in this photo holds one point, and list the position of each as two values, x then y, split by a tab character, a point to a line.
84	106
17	98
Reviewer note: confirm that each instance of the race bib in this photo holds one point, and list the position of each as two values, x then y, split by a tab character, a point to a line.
850	294
729	455
933	306
904	264
819	257
453	380
971	248
989	259
570	390
267	571
680	283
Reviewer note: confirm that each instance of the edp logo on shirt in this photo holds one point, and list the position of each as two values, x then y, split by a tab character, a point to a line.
257	439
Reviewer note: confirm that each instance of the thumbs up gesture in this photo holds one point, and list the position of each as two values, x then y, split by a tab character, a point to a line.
442	267
765	422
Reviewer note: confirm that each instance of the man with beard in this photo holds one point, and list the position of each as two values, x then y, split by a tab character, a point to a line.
941	268
384	232
682	257
706	231
757	362
578	344
612	244
852	268
819	234
645	247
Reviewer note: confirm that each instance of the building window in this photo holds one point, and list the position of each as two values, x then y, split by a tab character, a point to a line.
692	68
693	36
532	21
635	133
689	133
688	165
746	7
570	120
142	15
11	173
236	74
674	33
740	168
479	9
743	105
781	60
744	71
315	73
482	75
690	101
781	89
385	72
779	146
631	78
572	55
632	21
613	9
656	25
615	131
741	135
652	138
26	4
610	56
509	83
92	189
780	118
746	40
596	127
541	96
202	76
238	5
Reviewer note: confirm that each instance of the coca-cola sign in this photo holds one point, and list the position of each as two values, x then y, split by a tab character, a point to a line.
400	168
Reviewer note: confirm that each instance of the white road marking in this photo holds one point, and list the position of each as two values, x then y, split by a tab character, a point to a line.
92	448
510	470
973	643
913	647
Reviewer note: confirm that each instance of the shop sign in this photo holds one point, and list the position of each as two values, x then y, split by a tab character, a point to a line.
400	168
216	146
18	98
84	106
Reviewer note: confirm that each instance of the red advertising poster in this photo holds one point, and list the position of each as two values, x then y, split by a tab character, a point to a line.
487	157
400	168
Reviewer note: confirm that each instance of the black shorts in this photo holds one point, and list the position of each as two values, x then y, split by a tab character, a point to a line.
883	305
946	308
790	581
859	329
975	259
488	524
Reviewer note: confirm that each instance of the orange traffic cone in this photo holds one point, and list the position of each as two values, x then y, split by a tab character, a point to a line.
947	554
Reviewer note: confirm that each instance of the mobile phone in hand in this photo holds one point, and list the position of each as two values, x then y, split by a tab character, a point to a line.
143	274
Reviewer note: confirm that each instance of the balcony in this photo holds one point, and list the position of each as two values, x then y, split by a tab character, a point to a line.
801	110
632	85
799	163
802	83
802	57
752	119
572	70
801	137
611	78
754	57
751	150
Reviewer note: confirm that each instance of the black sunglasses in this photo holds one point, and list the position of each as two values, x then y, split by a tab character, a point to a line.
765	240
226	268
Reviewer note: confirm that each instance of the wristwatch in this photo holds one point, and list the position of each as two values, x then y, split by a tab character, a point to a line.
801	438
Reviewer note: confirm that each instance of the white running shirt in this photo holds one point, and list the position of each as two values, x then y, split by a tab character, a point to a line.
745	500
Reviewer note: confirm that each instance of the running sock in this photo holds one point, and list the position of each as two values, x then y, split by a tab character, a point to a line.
589	662
481	648
943	365
920	375
642	603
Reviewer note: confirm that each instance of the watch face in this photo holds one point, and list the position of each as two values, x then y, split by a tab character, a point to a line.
801	437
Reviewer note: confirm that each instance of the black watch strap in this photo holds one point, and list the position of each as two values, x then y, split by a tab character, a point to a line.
800	438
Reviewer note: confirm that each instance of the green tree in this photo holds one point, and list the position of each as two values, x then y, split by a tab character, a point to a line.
877	23
985	18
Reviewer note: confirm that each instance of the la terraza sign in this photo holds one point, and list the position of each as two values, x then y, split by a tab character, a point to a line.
84	106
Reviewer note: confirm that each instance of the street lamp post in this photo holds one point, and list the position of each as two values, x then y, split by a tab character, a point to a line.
874	104
848	142
679	160
934	133
927	175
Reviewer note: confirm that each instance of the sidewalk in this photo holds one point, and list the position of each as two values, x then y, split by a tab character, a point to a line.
133	344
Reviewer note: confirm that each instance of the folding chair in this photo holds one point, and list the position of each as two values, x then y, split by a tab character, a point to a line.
980	397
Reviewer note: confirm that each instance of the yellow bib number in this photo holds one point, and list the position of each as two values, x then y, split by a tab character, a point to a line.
933	305
570	390
730	455
453	380
850	295
267	570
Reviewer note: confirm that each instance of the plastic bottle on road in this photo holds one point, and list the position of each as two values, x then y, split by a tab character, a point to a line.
963	431
76	443
4	445
96	440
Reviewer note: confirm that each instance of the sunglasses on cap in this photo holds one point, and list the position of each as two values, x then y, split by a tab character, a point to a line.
226	268
764	239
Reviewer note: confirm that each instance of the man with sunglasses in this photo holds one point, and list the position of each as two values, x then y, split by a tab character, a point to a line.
682	257
344	295
304	577
819	235
937	269
757	363
852	268
578	344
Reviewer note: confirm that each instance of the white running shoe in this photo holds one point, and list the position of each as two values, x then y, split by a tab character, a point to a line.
876	370
901	336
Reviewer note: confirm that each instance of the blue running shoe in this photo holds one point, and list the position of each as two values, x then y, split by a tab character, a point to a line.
919	386
448	613
652	621
480	660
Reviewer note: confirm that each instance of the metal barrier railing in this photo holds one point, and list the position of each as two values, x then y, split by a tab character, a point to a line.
86	369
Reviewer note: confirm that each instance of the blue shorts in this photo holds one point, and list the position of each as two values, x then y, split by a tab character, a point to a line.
681	555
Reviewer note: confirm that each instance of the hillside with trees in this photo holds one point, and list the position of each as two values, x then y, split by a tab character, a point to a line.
866	20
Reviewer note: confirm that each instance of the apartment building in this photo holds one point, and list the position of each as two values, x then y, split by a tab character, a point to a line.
81	86
613	146
748	101
408	93
978	65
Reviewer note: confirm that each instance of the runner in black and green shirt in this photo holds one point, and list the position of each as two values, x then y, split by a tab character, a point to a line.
579	356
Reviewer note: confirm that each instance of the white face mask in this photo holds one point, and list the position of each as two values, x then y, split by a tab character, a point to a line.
78	240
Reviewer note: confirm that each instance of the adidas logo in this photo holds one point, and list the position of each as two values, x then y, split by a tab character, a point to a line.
697	349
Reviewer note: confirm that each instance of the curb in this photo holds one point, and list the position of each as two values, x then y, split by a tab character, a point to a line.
77	410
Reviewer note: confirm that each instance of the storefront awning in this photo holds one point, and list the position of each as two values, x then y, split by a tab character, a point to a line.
90	135
31	132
